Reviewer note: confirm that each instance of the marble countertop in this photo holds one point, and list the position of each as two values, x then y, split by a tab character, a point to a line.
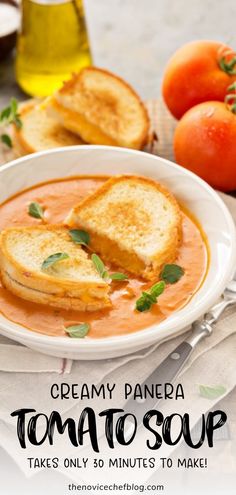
135	38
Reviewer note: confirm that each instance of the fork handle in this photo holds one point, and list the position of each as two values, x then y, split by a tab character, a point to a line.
174	362
166	372
171	365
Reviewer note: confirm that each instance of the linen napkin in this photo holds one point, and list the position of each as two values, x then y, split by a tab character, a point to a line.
212	365
23	360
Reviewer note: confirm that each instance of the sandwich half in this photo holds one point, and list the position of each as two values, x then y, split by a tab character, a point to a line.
70	283
133	222
39	131
102	109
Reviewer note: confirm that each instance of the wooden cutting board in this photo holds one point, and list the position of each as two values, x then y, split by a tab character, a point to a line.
162	124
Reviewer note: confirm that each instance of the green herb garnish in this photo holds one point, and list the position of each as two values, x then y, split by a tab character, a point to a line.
10	115
211	392
148	298
99	265
5	138
35	210
172	273
169	275
118	276
54	258
145	302
79	237
101	269
78	331
13	107
157	289
5	114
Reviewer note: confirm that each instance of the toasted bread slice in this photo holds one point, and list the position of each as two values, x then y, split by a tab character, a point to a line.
102	109
133	222
72	283
40	131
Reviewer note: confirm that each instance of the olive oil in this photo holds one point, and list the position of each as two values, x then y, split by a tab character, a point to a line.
52	44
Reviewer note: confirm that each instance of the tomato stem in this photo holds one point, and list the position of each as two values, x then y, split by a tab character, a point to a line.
228	66
230	98
232	87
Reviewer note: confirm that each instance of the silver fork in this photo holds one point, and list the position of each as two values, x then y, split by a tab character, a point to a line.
169	369
204	328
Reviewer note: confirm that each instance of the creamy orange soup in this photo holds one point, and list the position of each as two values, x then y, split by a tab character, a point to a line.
57	198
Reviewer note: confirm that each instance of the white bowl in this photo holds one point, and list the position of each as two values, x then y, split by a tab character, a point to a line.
203	201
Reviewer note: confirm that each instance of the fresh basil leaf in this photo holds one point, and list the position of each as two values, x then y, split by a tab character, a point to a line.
99	265
5	138
142	304
78	331
172	273
118	276
5	113
10	114
145	302
157	289
54	258
14	106
79	237
211	392
35	210
148	298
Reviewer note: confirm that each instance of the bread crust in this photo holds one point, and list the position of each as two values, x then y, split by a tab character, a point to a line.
23	146
54	300
128	177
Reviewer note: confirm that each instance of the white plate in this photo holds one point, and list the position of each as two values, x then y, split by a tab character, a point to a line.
187	187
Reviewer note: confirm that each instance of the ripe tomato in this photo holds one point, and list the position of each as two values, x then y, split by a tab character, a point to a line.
205	142
199	71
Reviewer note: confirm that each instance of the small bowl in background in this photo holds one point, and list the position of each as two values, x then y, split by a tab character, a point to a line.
9	25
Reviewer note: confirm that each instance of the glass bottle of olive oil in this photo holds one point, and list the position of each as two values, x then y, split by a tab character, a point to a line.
53	43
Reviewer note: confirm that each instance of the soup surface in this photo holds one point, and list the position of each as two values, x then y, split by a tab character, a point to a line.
57	198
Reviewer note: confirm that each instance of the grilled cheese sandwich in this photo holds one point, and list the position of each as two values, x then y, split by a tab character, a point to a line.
72	283
102	109
133	222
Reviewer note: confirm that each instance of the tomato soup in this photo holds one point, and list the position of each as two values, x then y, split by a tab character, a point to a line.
57	198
